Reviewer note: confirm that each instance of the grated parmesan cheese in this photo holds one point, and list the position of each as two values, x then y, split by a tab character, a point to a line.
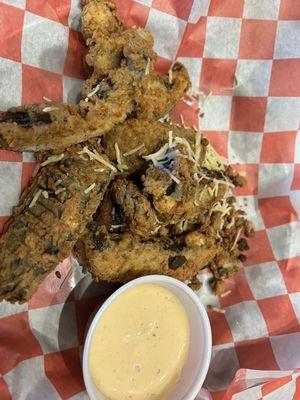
170	73
176	180
87	190
148	66
94	155
94	91
135	150
52	159
182	121
35	198
116	226
45	194
121	166
213	161
60	190
49	109
236	239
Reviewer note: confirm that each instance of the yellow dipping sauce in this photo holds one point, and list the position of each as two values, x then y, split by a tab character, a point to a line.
140	345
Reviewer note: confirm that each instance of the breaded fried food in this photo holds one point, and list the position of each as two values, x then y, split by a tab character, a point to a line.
109	42
137	138
99	19
52	215
112	47
107	53
156	95
123	85
122	257
56	126
106	103
179	213
139	214
135	92
179	169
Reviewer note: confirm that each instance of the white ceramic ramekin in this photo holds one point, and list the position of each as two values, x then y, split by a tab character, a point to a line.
195	369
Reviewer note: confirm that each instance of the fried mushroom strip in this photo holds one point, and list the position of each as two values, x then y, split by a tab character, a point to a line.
122	257
140	216
56	126
52	215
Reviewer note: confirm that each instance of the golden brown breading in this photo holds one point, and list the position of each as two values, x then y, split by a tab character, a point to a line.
184	186
140	216
143	96
106	103
42	126
122	257
133	44
198	186
50	218
141	137
155	96
99	19
57	126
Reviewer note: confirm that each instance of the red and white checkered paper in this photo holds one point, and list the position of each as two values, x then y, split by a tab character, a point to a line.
256	342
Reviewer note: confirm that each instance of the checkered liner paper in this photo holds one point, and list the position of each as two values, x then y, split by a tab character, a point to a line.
246	53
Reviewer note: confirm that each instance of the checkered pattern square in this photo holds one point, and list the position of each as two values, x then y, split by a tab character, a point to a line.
243	56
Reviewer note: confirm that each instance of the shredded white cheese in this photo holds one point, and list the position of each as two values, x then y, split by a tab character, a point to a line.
94	155
52	159
148	66
226	293
94	91
47	99
182	121
133	151
116	226
236	239
35	198
121	166
49	109
176	180
99	169
170	73
87	190
213	161
45	194
60	190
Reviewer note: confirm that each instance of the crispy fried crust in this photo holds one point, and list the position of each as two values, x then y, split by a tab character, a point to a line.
99	19
56	126
139	214
42	234
136	45
123	85
134	133
182	189
120	258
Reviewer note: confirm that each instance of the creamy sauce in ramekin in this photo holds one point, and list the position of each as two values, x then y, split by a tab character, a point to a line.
140	345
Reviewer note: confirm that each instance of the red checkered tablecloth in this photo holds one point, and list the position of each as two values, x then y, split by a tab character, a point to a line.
246	55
